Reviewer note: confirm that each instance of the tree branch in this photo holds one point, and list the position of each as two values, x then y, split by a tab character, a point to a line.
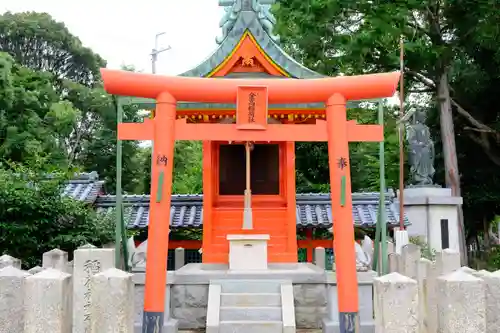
467	128
470	118
483	143
419	91
422	79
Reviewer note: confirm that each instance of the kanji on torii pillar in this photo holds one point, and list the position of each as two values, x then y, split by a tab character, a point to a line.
252	97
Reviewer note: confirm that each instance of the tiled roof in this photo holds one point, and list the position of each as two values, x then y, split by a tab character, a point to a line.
84	187
248	20
313	210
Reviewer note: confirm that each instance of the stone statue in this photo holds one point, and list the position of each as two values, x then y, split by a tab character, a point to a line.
421	151
364	253
139	255
232	8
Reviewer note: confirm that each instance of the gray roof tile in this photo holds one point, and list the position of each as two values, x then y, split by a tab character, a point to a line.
313	210
84	187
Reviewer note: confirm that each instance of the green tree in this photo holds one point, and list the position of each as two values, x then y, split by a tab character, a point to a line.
93	141
451	52
187	174
313	166
35	218
31	114
37	41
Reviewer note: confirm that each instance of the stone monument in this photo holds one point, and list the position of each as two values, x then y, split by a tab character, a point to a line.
431	209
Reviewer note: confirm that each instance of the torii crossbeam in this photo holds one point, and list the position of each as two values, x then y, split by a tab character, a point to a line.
252	97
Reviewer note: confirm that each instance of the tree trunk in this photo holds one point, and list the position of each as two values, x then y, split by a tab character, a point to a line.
450	154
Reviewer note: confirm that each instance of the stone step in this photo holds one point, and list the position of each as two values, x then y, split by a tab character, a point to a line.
250	326
263	313
250	299
251	286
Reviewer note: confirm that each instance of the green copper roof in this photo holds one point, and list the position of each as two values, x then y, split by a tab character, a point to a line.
255	17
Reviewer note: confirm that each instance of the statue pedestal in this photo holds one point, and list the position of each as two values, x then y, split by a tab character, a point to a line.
433	214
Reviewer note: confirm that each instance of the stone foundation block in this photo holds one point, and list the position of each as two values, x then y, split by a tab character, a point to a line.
112	302
12	285
47	302
461	303
396	304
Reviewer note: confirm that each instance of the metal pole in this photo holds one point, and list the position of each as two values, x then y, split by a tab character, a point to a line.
380	254
119	199
381	209
156	51
401	138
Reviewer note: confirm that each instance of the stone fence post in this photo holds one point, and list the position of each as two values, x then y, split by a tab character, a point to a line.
394	262
410	254
179	257
112	306
57	259
6	260
447	261
88	261
320	257
492	281
396	304
12	284
47	301
461	303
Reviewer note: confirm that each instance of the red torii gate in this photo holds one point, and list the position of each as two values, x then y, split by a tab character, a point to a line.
252	97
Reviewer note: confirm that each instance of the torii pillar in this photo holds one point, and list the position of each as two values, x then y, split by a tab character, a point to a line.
343	227
163	134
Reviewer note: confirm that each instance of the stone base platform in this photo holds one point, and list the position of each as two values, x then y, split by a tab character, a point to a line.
314	291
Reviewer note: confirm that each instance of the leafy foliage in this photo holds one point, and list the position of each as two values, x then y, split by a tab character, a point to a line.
312	158
35	218
451	64
188	173
38	42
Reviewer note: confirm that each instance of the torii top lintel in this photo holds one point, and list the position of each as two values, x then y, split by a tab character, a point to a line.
212	90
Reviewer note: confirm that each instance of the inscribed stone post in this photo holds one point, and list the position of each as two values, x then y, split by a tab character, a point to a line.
410	255
394	262
112	306
47	302
57	259
396	304
461	303
88	261
492	281
423	267
320	257
390	247
179	257
12	284
431	297
6	260
447	261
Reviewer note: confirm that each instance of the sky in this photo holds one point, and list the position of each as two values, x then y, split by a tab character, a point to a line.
125	34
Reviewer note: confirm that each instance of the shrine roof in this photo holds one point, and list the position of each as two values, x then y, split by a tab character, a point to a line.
84	187
254	17
313	210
